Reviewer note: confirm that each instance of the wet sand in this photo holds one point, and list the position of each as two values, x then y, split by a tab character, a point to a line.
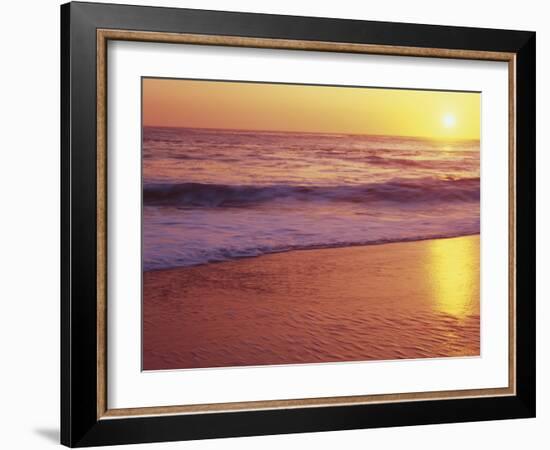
380	302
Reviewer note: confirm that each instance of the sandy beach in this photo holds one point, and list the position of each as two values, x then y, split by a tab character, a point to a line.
379	302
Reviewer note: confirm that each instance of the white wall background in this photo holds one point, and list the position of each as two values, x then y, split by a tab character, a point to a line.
29	226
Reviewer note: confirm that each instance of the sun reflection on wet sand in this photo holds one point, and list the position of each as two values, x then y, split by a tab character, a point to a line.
454	276
393	301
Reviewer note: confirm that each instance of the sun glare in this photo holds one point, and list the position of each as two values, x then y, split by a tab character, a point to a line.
449	121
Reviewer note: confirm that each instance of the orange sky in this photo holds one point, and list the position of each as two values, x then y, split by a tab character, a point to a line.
286	107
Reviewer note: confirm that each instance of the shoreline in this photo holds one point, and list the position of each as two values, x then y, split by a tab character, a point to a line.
400	300
317	247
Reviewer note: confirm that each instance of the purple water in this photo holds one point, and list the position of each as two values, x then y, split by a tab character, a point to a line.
217	195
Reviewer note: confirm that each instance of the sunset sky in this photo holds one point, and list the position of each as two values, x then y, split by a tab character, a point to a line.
325	109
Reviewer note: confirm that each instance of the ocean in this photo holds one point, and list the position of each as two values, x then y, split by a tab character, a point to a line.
218	195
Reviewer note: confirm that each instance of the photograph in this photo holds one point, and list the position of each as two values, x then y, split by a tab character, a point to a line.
285	221
305	224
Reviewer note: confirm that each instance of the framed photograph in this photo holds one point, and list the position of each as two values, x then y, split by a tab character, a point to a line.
277	224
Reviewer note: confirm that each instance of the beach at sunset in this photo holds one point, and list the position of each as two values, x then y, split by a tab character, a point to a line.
381	302
300	224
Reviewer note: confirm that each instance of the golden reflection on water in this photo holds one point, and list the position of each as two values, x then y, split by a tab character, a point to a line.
454	276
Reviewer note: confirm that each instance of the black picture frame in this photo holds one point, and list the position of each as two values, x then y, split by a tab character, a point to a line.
80	425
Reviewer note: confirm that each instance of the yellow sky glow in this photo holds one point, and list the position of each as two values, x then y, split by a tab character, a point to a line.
317	109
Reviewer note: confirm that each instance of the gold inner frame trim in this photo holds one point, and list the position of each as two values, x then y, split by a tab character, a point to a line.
103	36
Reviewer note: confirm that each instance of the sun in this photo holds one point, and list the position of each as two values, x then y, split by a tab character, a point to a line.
449	121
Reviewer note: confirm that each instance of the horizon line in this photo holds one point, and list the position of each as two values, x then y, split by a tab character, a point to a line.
312	132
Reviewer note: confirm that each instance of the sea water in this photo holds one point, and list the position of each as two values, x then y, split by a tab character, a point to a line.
216	195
